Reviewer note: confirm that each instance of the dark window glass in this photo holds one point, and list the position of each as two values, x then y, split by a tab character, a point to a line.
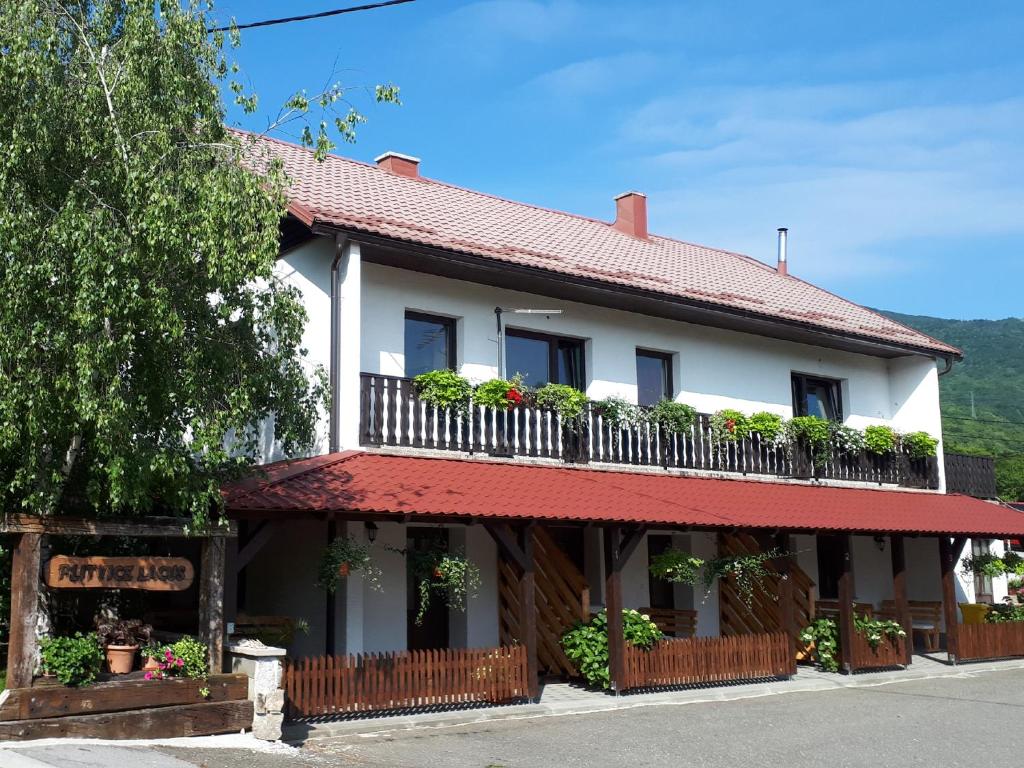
653	377
662	591
817	397
429	343
541	359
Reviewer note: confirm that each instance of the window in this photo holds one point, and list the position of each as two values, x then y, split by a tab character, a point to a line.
429	343
542	359
830	566
653	377
662	592
982	583
814	396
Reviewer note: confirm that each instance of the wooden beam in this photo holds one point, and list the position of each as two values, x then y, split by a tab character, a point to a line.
173	527
787	607
528	611
211	601
331	598
613	541
507	543
630	541
949	551
846	628
899	594
23	645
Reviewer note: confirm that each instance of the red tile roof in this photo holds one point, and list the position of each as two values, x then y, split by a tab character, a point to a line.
371	483
352	195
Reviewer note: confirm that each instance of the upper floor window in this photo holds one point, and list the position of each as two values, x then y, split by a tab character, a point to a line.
653	377
429	343
542	359
815	396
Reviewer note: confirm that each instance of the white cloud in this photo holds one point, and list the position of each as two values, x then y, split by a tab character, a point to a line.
600	75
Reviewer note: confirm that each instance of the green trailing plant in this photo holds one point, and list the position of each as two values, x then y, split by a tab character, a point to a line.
500	393
438	572
568	402
880	439
1014	564
74	660
444	389
877	630
343	556
619	413
823	635
677	566
919	445
673	417
993	566
586	644
729	425
768	425
845	439
748	572
1008	611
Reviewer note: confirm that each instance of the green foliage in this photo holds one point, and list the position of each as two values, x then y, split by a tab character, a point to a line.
145	340
436	571
586	645
876	630
75	660
620	413
498	393
919	445
728	425
346	550
812	429
1010	477
5	590
993	566
767	424
672	416
677	566
444	389
1008	611
823	632
846	439
193	655
568	402
880	439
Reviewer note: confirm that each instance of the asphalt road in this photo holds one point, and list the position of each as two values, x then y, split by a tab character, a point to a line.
962	721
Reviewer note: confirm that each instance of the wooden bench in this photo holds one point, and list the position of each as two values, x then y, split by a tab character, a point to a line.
271	630
925	617
673	622
830	609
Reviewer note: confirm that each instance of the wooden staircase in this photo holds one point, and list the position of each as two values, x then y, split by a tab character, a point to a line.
562	598
764	616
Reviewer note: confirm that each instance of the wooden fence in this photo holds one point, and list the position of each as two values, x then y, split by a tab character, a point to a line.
709	660
888	653
391	413
333	685
991	641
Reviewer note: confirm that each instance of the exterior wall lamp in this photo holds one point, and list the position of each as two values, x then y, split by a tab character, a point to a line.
371	532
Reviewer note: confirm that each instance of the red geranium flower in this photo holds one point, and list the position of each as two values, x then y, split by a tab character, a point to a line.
730	424
513	397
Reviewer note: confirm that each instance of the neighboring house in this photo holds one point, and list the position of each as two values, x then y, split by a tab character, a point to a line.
402	275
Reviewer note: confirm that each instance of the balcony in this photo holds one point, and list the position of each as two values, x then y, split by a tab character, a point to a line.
391	414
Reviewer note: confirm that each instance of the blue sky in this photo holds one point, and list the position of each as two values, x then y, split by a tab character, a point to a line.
889	137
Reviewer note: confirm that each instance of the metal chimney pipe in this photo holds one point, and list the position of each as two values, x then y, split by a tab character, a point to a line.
783	268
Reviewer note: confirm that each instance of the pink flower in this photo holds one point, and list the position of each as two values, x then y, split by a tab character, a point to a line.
148	675
179	662
168	655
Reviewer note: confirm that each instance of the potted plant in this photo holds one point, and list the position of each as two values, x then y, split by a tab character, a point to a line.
448	574
121	639
151	655
343	556
73	660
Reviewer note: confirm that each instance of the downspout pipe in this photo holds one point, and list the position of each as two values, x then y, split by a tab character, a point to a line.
337	272
949	365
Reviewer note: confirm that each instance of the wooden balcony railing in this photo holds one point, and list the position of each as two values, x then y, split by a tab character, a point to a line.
391	413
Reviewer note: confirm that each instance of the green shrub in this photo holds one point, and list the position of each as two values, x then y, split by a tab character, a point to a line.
824	633
729	425
767	424
586	645
75	660
568	402
880	439
1008	611
677	566
815	430
920	445
672	416
443	389
499	393
620	413
846	439
193	655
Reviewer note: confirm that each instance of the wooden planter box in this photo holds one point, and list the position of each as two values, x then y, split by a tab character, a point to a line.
889	653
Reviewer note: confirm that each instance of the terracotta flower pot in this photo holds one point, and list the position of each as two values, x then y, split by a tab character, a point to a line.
151	665
121	658
343	570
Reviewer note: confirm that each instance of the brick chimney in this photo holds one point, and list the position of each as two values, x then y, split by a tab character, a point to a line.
631	214
400	165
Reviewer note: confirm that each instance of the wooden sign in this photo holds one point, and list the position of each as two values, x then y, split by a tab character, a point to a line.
162	574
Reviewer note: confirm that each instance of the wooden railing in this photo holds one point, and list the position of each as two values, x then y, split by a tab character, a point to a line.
971	475
334	685
888	653
703	660
391	413
991	641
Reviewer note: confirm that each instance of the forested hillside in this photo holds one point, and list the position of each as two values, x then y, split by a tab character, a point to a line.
993	374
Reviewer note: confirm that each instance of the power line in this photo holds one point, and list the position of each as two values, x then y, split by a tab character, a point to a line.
308	16
985	421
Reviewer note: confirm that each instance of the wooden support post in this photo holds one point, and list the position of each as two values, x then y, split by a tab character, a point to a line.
528	615
949	552
787	612
230	583
613	607
846	628
330	606
21	651
899	595
211	601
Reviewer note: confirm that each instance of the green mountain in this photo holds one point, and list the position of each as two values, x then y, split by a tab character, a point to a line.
992	375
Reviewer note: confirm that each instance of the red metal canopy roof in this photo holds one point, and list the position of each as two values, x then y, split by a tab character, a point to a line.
379	484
